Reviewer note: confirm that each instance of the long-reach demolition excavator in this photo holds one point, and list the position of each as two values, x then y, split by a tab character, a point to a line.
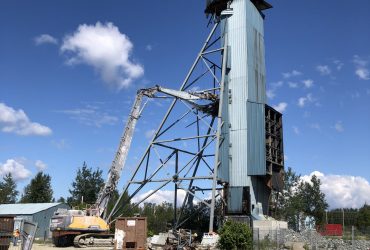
89	228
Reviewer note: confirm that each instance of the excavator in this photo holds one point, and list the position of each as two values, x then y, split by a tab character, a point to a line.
89	227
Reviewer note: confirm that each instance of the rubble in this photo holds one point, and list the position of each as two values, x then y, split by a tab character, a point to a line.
315	241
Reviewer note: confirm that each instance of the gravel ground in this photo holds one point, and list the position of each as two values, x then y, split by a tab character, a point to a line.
51	246
316	241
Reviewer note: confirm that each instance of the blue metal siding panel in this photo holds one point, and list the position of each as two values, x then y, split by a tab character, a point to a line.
243	151
256	55
223	170
238	87
235	200
43	221
256	139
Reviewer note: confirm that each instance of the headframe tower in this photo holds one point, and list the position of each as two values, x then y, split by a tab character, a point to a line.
243	136
251	154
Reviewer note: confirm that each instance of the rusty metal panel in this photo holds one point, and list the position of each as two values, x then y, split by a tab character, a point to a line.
6	230
6	223
135	230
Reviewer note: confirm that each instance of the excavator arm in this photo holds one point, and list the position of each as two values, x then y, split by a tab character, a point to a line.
126	138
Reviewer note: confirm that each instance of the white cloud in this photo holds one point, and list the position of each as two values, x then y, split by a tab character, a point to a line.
323	69
45	39
270	94
105	48
339	126
292	85
361	71
315	126
302	101
150	133
16	169
161	196
296	130
278	84
339	65
281	107
16	121
40	165
343	191
308	83
149	47
60	144
291	74
91	116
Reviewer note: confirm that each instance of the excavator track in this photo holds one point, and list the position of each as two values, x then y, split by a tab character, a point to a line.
94	240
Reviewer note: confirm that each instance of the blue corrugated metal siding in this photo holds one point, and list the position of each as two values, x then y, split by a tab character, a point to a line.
234	198
223	170
238	87
34	212
256	146
43	221
243	151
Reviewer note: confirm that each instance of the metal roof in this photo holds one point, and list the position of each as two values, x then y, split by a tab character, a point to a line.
25	208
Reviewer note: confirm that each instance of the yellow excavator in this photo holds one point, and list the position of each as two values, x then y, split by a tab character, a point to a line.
89	227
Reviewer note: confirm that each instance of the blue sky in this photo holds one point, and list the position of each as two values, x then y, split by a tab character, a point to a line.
63	100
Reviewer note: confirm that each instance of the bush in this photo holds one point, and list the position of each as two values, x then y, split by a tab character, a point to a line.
235	236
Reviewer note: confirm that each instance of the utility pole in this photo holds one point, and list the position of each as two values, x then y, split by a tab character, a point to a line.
343	218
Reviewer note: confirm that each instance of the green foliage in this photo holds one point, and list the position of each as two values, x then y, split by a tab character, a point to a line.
159	217
61	200
313	200
300	199
8	190
289	202
125	208
39	190
235	235
363	220
198	217
87	184
150	233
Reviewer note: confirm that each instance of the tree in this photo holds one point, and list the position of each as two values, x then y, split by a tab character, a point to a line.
235	235
300	199
39	190
363	219
8	190
289	204
158	216
87	184
313	200
61	200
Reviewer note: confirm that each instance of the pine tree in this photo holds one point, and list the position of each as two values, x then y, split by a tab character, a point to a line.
314	200
39	190
87	184
61	200
8	190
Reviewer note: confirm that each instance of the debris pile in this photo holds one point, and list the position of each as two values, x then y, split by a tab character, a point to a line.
316	241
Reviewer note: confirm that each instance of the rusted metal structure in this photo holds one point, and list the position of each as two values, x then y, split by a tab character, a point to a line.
6	231
131	233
